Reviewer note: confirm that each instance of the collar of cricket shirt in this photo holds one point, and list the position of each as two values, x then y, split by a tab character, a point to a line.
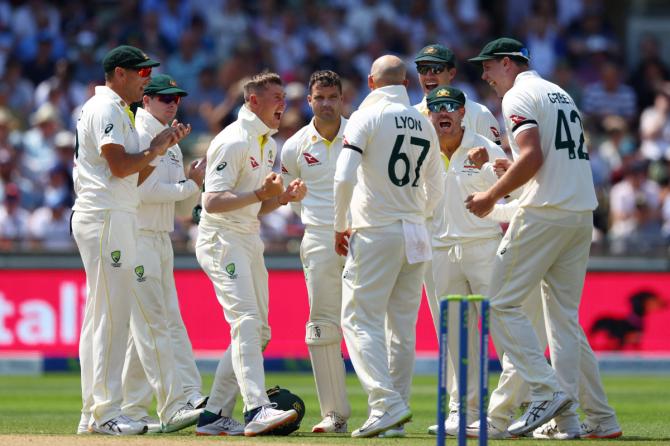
390	93
147	122
314	135
106	91
525	75
253	124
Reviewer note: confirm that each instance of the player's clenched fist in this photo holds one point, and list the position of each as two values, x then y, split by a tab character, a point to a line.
501	165
295	191
342	242
272	187
480	204
478	156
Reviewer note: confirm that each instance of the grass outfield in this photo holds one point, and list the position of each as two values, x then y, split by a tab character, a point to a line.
34	408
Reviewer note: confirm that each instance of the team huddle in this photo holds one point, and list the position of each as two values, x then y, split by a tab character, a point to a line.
395	199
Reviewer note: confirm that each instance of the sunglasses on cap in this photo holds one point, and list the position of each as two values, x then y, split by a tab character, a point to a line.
437	68
444	106
144	71
168	98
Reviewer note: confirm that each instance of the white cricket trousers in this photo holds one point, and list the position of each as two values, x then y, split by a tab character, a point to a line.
323	276
106	242
463	268
512	390
154	276
549	244
379	286
234	263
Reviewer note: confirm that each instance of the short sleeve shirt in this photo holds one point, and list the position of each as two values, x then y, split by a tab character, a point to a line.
238	160
564	180
307	155
104	120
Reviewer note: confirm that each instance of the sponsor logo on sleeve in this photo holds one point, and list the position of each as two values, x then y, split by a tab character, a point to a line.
109	128
517	119
495	132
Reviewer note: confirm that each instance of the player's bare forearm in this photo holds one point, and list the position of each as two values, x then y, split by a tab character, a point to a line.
215	202
522	169
144	174
122	163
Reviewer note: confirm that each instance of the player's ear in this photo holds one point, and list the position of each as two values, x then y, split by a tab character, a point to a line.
371	82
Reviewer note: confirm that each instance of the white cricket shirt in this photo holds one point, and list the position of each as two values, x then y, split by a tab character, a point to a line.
238	160
564	181
477	117
167	183
103	120
309	156
399	175
452	222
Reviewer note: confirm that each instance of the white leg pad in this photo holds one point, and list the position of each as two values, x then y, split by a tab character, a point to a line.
323	340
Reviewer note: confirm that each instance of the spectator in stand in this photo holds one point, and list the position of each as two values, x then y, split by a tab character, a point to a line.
186	64
650	73
543	39
206	92
13	220
609	96
18	89
38	143
655	126
49	226
634	205
618	144
41	66
62	90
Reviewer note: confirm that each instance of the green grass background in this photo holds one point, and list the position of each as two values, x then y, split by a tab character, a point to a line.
50	404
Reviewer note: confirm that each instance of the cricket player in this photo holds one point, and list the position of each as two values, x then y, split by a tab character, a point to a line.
311	154
512	391
240	185
390	165
436	65
549	236
164	187
108	158
463	245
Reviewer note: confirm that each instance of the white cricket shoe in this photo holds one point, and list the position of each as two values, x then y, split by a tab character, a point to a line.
84	427
378	423
450	425
610	429
121	425
538	413
394	432
212	424
472	431
550	431
153	425
184	417
268	418
331	423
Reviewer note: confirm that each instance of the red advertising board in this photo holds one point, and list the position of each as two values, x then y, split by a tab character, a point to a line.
41	311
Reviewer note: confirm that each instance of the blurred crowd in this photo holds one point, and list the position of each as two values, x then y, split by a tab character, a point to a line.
50	55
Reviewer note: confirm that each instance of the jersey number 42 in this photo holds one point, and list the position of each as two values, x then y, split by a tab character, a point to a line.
563	129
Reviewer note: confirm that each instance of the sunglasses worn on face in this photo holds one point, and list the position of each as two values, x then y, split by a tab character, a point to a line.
144	72
443	106
423	69
169	98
